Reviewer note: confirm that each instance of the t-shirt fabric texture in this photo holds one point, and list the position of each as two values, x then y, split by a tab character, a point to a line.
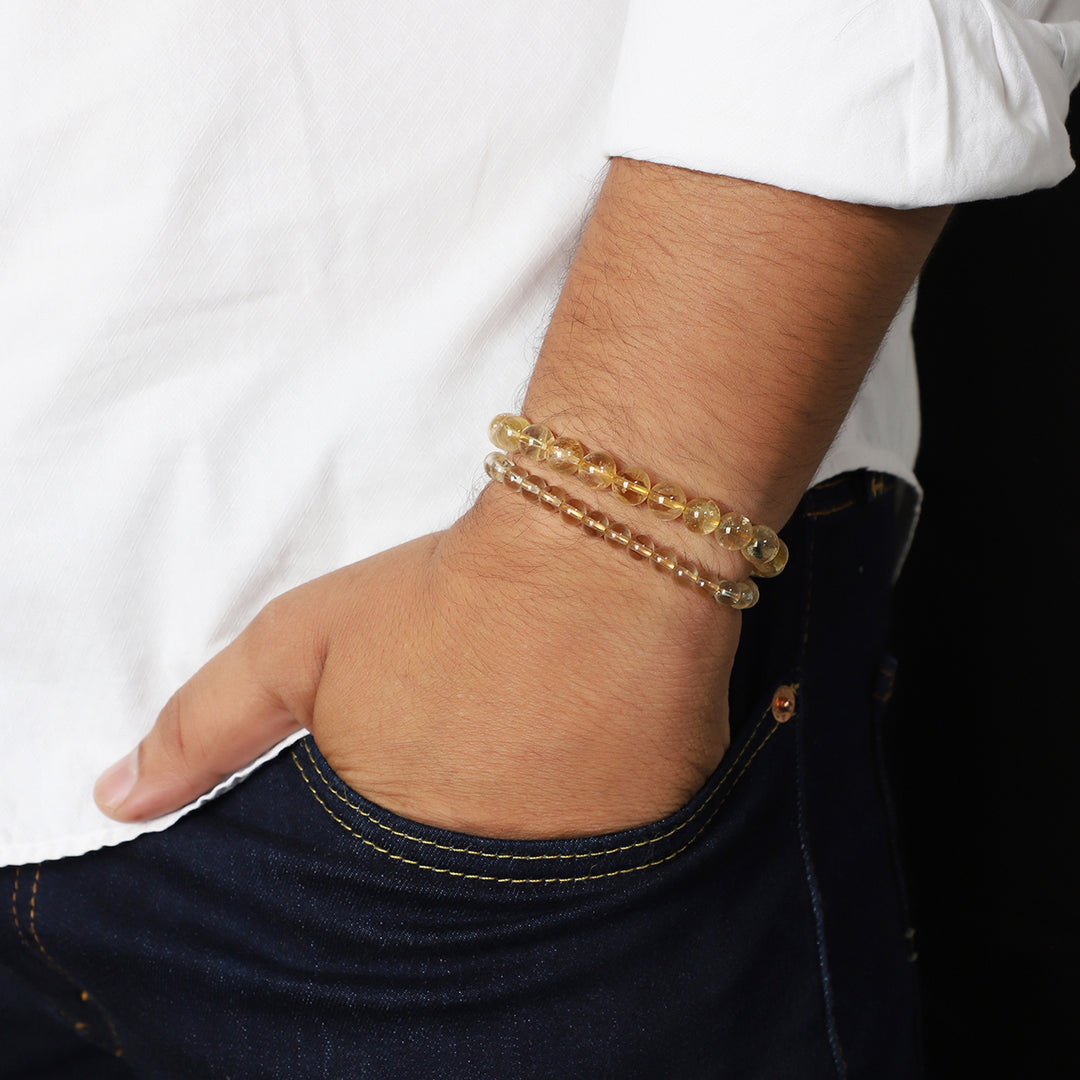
266	273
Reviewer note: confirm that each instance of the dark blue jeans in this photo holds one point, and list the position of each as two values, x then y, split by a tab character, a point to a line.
293	929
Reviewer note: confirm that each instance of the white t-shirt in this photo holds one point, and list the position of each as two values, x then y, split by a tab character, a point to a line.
266	272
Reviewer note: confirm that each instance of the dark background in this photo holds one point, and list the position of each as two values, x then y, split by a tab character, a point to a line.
985	723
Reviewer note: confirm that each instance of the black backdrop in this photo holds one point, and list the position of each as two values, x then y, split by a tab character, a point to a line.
985	723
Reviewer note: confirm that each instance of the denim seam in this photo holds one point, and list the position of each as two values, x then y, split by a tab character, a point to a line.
804	846
495	855
569	855
60	970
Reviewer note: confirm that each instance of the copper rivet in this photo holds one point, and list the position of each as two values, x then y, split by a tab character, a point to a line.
783	704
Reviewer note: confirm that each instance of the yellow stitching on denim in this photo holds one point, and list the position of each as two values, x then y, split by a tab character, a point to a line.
537	881
85	995
15	908
830	510
533	858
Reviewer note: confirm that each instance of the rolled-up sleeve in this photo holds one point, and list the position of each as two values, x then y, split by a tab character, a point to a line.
890	102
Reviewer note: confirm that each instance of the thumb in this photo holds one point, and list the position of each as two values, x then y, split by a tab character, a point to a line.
251	695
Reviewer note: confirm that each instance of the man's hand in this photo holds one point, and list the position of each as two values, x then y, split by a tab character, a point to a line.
469	680
502	678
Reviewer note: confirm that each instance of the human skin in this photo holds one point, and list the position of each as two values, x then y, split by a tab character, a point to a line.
508	676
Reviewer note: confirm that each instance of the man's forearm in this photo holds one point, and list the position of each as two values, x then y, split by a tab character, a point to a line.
719	329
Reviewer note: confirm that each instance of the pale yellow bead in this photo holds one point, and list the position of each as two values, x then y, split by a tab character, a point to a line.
505	430
641	547
496	464
595	523
687	573
552	498
631	485
534	442
727	592
763	545
733	531
565	454
597	469
514	477
747	595
533	486
573	510
667	501
775	566
701	516
665	560
618	534
707	585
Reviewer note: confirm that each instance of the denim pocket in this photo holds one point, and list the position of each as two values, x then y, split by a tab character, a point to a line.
574	861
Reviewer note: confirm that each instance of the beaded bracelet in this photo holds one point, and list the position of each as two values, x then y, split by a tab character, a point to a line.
734	594
766	553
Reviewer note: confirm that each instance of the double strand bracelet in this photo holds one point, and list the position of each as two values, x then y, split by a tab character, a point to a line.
766	553
733	594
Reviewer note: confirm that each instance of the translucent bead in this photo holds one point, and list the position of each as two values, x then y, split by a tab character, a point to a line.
727	592
595	523
733	532
687	573
771	569
707	585
552	498
618	534
665	560
748	595
597	469
514	477
505	430
667	501
534	441
496	464
763	545
701	516
641	547
565	454
533	486
631	485
573	510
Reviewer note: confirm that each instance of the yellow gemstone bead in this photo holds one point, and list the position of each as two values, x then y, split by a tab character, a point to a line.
496	464
595	523
573	510
701	516
514	477
565	454
747	597
618	534
727	592
667	501
733	531
775	566
505	430
763	545
665	560
641	547
687	573
597	469
534	442
533	486
552	498
707	585
631	485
